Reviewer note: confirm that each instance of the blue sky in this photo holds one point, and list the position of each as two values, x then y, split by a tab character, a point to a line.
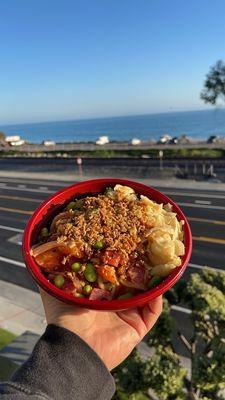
91	58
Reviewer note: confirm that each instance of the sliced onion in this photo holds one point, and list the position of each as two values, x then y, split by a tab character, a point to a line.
76	281
42	248
101	283
36	250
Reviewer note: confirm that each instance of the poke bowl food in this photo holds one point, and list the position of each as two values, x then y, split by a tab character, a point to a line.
112	245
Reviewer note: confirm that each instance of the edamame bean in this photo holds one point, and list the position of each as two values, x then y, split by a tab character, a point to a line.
79	295
98	245
70	206
59	281
78	204
109	192
87	289
125	296
154	281
44	233
90	273
76	266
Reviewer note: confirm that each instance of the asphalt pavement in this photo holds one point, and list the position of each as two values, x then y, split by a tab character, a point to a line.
19	197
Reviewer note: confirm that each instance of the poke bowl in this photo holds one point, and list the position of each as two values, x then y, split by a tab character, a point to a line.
107	244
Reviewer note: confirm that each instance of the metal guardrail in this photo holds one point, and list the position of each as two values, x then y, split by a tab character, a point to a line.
90	146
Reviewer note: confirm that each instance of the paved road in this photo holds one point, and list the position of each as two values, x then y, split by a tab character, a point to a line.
19	197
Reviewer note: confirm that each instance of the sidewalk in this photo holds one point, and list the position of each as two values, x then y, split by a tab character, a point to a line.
65	177
21	309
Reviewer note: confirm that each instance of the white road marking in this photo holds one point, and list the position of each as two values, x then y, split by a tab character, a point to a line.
21	186
203	195
27	189
9	228
43	187
196	266
13	262
203	202
201	206
16	239
181	309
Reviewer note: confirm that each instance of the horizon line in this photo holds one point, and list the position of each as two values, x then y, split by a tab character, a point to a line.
216	108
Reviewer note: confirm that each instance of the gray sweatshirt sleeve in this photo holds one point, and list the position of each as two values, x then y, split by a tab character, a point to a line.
61	367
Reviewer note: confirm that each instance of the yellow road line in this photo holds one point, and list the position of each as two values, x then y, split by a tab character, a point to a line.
13	218
2	196
209	221
14	210
209	239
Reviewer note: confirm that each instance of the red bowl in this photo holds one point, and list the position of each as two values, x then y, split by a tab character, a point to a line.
50	207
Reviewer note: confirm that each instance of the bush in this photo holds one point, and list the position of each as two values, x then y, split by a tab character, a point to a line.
205	295
162	331
164	373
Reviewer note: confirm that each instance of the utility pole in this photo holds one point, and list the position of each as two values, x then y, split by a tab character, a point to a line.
80	169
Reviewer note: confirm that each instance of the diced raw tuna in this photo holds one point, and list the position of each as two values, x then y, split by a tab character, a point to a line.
137	274
100	294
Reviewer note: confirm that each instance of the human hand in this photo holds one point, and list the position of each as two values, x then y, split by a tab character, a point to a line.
112	335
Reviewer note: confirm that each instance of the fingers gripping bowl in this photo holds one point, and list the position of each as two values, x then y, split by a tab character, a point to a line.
107	244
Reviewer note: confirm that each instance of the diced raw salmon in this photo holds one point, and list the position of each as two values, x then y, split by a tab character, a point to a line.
112	257
108	273
50	260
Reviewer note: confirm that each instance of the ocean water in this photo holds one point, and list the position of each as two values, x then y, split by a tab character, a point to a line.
196	124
